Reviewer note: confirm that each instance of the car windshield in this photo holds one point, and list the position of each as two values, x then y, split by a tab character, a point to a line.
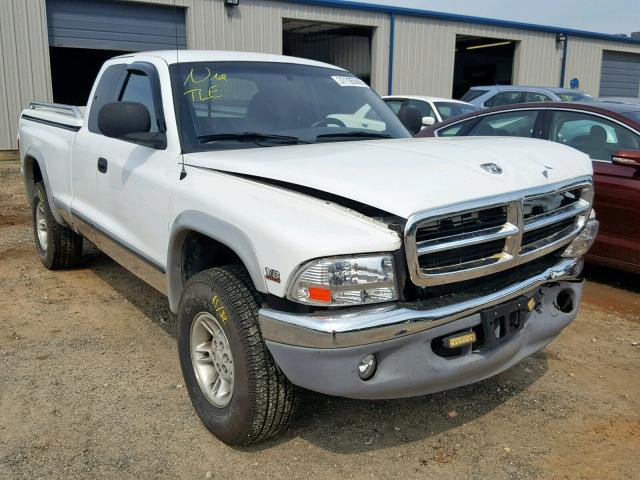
452	109
228	105
574	97
472	94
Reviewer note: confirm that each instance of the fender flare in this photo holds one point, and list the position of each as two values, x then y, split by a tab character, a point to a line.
216	229
26	163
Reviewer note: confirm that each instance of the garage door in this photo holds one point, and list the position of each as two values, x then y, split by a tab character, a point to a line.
109	25
620	76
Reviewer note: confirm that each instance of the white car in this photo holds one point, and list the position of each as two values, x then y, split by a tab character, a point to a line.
432	109
298	250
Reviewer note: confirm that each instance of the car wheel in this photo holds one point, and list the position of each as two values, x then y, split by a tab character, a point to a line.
57	245
235	386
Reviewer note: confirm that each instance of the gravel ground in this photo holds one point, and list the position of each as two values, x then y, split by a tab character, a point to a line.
90	387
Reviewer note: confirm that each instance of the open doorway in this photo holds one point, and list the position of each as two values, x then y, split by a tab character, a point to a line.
482	61
347	46
71	84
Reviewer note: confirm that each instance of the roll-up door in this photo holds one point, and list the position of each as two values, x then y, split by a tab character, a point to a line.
620	75
111	25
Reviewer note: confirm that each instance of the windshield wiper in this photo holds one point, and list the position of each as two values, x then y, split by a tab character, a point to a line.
249	137
355	134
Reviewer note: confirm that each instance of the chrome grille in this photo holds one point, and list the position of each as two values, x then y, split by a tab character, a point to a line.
469	241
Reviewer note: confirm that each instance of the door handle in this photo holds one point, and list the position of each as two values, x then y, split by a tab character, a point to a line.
102	165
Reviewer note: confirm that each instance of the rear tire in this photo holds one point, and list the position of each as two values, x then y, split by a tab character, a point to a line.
57	246
221	350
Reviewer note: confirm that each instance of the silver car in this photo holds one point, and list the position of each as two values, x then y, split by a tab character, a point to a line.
498	95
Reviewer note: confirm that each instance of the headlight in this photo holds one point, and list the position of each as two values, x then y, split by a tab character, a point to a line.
345	281
582	243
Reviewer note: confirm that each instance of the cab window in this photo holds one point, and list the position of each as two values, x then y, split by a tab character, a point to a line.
105	92
597	137
137	88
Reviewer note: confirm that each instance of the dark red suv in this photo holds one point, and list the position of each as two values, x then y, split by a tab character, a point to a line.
608	132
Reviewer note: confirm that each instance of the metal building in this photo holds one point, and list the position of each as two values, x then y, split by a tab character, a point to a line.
52	49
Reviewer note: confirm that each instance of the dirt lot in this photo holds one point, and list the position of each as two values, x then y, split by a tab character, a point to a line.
90	387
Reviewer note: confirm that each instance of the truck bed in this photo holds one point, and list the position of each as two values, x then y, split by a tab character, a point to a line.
69	117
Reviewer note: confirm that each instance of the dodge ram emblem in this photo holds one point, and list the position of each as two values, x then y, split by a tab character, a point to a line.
492	168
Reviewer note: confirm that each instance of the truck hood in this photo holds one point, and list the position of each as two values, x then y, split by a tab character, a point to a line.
405	176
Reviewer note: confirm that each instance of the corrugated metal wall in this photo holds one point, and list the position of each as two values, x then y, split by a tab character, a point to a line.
350	52
424	48
25	74
425	54
584	60
256	25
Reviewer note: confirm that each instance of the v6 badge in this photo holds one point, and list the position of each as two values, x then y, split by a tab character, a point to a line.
271	274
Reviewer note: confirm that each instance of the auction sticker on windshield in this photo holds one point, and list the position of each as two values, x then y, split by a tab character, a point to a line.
349	81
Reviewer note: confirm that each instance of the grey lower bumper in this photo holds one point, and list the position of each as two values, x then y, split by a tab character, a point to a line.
325	358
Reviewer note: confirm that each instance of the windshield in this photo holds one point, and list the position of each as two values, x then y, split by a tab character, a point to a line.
227	105
451	109
574	97
472	94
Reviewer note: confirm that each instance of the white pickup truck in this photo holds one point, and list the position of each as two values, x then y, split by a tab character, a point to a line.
298	251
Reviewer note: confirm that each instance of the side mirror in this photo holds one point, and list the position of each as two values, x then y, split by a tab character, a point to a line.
119	119
411	119
428	121
627	158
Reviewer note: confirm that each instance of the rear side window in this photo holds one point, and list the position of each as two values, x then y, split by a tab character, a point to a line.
536	97
423	107
105	93
597	137
137	88
574	97
394	105
450	109
509	124
505	98
472	94
456	130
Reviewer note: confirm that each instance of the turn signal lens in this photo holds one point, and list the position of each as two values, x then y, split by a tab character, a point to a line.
320	294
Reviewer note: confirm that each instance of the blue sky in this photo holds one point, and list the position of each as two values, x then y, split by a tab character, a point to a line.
605	16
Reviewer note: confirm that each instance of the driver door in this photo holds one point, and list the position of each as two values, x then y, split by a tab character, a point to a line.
132	182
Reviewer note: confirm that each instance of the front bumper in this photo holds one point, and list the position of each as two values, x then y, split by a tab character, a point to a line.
321	351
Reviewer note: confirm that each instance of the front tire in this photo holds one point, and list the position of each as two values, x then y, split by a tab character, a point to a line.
57	246
235	386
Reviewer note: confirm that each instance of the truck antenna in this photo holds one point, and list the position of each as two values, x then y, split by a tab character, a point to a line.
183	172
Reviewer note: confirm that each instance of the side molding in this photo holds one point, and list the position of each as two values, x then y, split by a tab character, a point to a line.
219	230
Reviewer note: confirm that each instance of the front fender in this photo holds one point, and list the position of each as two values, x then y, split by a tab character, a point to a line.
219	230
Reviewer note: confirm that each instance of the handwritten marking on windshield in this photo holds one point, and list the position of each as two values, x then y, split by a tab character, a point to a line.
196	94
209	76
199	92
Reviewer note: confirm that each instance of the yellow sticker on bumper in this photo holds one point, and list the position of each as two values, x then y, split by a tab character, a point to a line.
460	340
